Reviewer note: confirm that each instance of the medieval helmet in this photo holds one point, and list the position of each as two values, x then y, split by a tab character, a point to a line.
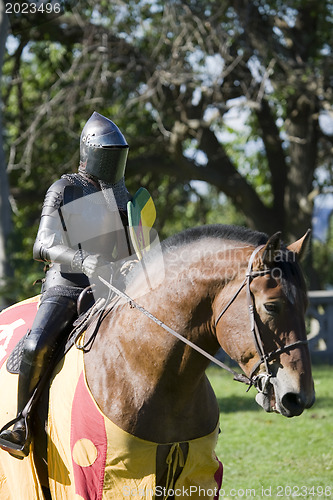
103	149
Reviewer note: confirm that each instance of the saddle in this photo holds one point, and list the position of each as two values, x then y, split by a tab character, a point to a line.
14	360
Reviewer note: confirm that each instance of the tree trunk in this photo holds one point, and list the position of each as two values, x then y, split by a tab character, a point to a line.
302	129
5	210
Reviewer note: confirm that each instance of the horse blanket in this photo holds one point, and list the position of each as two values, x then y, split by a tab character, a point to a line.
89	457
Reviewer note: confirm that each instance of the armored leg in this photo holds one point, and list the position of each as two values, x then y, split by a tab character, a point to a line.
53	320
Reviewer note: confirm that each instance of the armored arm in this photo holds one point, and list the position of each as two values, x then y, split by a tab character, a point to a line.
50	244
53	242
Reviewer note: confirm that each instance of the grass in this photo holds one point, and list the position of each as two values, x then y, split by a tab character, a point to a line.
266	455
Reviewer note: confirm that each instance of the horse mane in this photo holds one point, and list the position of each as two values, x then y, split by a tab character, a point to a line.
291	273
196	234
292	277
224	232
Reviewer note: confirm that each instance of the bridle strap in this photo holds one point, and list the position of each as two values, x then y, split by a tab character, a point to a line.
251	308
274	354
249	273
230	301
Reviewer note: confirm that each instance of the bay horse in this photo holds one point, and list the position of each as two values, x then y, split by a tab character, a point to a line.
222	286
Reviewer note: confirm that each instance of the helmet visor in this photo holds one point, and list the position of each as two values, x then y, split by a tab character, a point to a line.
107	164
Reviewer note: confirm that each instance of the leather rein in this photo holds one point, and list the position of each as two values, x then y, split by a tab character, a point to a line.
260	381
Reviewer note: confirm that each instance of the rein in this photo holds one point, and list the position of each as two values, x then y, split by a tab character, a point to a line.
260	381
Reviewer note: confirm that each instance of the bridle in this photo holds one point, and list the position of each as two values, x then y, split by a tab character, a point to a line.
260	381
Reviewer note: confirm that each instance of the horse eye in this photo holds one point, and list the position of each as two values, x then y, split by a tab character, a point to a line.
273	307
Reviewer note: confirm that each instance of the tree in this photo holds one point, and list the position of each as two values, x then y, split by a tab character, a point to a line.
5	212
169	74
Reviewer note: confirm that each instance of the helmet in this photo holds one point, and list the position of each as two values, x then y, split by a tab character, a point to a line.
103	149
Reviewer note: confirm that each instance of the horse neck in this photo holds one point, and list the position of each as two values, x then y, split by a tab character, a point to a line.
194	278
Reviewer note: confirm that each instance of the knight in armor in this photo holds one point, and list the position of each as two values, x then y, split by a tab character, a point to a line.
79	238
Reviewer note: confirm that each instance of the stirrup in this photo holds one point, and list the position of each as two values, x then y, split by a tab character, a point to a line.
16	450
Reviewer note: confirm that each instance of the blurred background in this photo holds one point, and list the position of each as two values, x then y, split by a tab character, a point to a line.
226	106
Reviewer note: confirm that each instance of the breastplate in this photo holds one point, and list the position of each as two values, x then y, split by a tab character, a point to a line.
90	225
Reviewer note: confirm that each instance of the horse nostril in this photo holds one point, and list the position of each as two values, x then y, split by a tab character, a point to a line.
294	403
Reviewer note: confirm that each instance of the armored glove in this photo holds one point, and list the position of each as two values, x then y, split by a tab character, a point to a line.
89	264
92	263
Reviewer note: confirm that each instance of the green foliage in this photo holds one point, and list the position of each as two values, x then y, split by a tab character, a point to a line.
189	207
323	262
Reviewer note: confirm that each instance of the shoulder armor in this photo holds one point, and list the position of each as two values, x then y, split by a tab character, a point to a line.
54	196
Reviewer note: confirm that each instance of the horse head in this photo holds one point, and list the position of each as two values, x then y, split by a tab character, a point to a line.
269	343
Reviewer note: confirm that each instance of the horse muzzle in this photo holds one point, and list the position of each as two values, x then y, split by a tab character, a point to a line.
286	401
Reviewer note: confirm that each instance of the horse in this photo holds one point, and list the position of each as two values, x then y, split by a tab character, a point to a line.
131	412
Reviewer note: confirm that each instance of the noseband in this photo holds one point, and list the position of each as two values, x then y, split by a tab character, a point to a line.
260	381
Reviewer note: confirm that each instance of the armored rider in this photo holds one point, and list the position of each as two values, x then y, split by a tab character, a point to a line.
103	156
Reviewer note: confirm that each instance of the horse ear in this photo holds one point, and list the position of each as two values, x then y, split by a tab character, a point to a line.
300	246
270	249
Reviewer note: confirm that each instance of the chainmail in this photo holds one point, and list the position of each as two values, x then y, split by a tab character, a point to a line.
115	195
82	181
